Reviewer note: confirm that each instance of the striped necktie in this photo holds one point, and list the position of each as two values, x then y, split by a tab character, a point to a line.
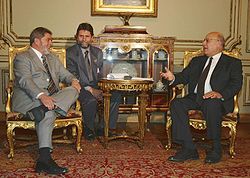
52	86
88	65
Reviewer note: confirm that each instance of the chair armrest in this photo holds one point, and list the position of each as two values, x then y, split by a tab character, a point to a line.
78	105
177	90
235	114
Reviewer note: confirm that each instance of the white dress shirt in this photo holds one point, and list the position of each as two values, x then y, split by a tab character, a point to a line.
210	72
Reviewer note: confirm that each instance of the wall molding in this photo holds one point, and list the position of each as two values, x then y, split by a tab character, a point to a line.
232	40
11	36
246	90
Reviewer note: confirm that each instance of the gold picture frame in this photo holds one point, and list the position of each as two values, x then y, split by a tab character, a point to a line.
139	8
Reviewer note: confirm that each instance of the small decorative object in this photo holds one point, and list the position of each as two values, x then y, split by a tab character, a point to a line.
134	54
124	67
125	18
161	54
115	53
159	85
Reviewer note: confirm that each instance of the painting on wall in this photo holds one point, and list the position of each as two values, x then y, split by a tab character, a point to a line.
143	8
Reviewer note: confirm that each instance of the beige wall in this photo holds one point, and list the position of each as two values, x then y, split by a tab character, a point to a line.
188	21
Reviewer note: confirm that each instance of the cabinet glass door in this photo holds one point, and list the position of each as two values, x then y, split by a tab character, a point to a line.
133	62
160	61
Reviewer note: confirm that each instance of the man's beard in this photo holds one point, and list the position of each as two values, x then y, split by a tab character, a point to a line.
45	50
83	44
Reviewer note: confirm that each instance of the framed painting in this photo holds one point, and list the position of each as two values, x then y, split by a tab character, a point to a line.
141	8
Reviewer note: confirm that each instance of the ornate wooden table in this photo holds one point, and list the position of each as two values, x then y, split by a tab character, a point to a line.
142	87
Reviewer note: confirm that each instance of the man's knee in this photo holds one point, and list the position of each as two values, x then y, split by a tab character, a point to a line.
90	103
213	103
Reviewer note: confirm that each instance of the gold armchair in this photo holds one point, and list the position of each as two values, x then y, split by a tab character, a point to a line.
73	117
195	117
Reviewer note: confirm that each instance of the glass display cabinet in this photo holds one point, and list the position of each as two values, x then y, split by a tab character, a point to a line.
130	49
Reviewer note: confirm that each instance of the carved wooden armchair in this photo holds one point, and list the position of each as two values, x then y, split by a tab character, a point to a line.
73	119
195	117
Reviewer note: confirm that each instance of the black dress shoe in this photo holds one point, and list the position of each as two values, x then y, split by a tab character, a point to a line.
184	154
50	168
111	133
90	137
89	134
213	157
37	114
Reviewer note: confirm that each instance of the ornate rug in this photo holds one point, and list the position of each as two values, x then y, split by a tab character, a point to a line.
125	159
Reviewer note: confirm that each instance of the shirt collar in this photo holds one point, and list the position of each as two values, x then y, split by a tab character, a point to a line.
38	53
217	56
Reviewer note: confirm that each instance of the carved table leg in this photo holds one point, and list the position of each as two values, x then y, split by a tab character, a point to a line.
141	117
106	97
168	130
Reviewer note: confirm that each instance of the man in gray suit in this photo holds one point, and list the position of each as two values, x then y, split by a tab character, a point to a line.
37	94
85	61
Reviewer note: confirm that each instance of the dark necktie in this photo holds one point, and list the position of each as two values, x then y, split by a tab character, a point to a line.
52	87
88	65
201	82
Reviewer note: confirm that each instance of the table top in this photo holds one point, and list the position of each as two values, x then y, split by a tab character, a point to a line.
136	84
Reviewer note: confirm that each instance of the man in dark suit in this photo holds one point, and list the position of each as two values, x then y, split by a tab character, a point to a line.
85	61
37	94
211	88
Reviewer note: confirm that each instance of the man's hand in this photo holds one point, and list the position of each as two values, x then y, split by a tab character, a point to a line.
212	94
47	101
168	75
76	85
96	93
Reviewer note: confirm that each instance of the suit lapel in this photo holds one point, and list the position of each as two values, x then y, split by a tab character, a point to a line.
81	61
36	60
93	62
51	67
203	61
219	66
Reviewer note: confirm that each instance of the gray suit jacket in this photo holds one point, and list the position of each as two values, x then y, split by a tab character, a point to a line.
76	65
31	79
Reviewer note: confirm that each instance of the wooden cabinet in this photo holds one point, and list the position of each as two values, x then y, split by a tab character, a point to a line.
130	49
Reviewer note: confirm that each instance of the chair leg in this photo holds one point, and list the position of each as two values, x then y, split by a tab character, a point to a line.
168	130
10	128
73	131
232	138
79	135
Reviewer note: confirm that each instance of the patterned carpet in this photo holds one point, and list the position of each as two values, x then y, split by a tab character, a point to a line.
125	159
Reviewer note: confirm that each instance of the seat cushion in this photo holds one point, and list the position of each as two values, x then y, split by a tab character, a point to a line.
16	116
196	114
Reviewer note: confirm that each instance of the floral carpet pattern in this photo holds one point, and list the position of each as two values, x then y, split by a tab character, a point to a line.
124	159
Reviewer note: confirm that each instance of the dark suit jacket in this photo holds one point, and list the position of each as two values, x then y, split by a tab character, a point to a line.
76	65
226	77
